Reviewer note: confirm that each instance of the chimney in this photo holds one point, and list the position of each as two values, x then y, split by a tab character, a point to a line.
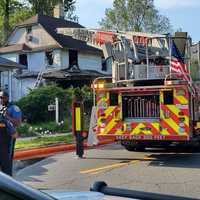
58	11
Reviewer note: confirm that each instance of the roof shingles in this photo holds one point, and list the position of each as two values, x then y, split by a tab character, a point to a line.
50	24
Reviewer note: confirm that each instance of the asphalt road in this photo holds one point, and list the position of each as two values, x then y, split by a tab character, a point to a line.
160	171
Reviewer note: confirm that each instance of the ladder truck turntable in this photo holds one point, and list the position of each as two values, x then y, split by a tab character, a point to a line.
144	103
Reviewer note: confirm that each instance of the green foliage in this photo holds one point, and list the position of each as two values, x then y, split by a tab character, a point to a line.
35	105
135	15
46	7
69	8
12	12
24	130
43	129
43	7
43	141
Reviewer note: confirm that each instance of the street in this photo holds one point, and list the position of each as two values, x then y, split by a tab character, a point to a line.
155	170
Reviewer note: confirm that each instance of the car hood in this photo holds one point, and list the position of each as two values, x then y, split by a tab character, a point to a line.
60	195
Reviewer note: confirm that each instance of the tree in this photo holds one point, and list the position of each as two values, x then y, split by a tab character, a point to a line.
69	8
135	15
11	13
43	7
46	7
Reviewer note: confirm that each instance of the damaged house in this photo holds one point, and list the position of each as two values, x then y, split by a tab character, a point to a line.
49	56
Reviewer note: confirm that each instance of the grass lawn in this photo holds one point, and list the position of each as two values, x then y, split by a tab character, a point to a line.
42	141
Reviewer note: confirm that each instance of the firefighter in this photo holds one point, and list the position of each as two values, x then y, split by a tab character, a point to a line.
11	118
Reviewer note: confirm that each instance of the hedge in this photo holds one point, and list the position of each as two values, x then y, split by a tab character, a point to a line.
34	106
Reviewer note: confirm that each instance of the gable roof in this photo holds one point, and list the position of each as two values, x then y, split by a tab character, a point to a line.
50	24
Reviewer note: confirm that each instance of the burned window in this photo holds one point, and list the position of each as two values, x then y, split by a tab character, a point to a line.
73	58
49	57
113	99
28	29
23	60
168	97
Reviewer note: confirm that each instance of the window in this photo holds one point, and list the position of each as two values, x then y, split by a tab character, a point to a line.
168	97
23	60
73	58
49	57
28	29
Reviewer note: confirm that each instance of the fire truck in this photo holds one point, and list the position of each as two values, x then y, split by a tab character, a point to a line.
150	99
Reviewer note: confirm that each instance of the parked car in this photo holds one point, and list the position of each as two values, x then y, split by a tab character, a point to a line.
11	189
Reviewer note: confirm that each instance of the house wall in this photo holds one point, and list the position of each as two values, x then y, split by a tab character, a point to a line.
57	60
64	59
21	87
36	61
91	62
40	37
26	85
5	75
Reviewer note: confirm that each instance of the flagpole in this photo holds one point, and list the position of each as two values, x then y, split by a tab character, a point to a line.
170	56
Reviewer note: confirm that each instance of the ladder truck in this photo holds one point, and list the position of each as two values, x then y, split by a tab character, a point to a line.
150	100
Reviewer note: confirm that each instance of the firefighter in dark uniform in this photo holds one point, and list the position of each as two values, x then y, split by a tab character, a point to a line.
10	118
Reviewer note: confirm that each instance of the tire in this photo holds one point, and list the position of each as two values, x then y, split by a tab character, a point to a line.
130	147
137	147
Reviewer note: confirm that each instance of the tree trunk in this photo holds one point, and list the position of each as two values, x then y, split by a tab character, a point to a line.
6	25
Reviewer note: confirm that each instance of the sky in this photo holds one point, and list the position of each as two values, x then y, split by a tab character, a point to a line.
183	14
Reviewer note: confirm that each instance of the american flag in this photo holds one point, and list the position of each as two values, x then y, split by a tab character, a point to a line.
178	66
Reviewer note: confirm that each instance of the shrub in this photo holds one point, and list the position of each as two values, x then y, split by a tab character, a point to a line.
41	129
25	130
34	106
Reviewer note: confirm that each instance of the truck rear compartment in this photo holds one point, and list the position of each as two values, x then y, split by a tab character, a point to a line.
140	106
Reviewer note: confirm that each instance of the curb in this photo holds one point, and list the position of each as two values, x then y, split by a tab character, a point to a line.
47	151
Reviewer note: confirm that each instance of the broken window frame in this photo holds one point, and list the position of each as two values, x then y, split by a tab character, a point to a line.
23	62
73	62
49	58
29	29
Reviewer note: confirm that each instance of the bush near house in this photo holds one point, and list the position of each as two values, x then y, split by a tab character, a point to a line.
34	107
43	129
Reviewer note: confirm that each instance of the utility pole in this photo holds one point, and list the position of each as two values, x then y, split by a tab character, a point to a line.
57	110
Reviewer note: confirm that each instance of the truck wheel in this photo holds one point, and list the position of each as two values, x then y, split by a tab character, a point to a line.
136	147
130	147
140	148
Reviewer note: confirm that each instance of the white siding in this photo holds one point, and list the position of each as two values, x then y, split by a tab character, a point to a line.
64	59
16	92
57	58
90	62
21	87
40	37
4	75
26	85
36	61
